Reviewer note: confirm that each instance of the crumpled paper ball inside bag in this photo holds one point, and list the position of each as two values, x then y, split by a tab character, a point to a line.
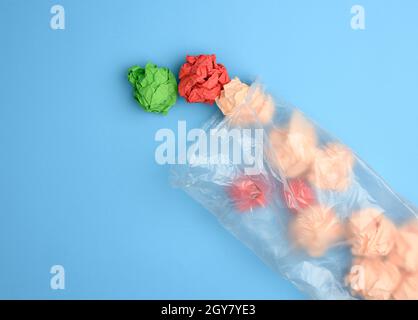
249	192
298	195
293	148
370	233
373	278
408	288
332	167
245	104
405	251
315	229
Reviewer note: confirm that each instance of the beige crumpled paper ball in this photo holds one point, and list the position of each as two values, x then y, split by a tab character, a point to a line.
232	95
315	229
408	288
293	149
373	278
332	167
370	233
405	251
251	106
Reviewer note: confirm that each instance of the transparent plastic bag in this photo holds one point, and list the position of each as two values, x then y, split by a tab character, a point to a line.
303	202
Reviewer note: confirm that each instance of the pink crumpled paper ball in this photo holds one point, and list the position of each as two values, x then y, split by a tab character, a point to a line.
294	147
232	96
373	278
315	229
245	105
408	287
370	233
405	251
332	167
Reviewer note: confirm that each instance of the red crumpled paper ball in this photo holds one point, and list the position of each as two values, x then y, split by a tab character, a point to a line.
249	192
298	195
202	79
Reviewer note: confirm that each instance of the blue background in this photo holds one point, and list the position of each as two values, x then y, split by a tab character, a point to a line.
79	185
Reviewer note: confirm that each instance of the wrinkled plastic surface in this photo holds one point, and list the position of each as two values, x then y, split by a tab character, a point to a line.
265	221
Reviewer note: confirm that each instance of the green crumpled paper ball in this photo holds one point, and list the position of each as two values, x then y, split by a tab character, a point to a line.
155	89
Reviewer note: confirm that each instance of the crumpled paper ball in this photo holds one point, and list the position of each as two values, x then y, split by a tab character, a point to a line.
373	279
405	251
298	195
249	192
232	95
293	149
155	89
370	233
251	105
202	79
408	288
332	167
315	229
